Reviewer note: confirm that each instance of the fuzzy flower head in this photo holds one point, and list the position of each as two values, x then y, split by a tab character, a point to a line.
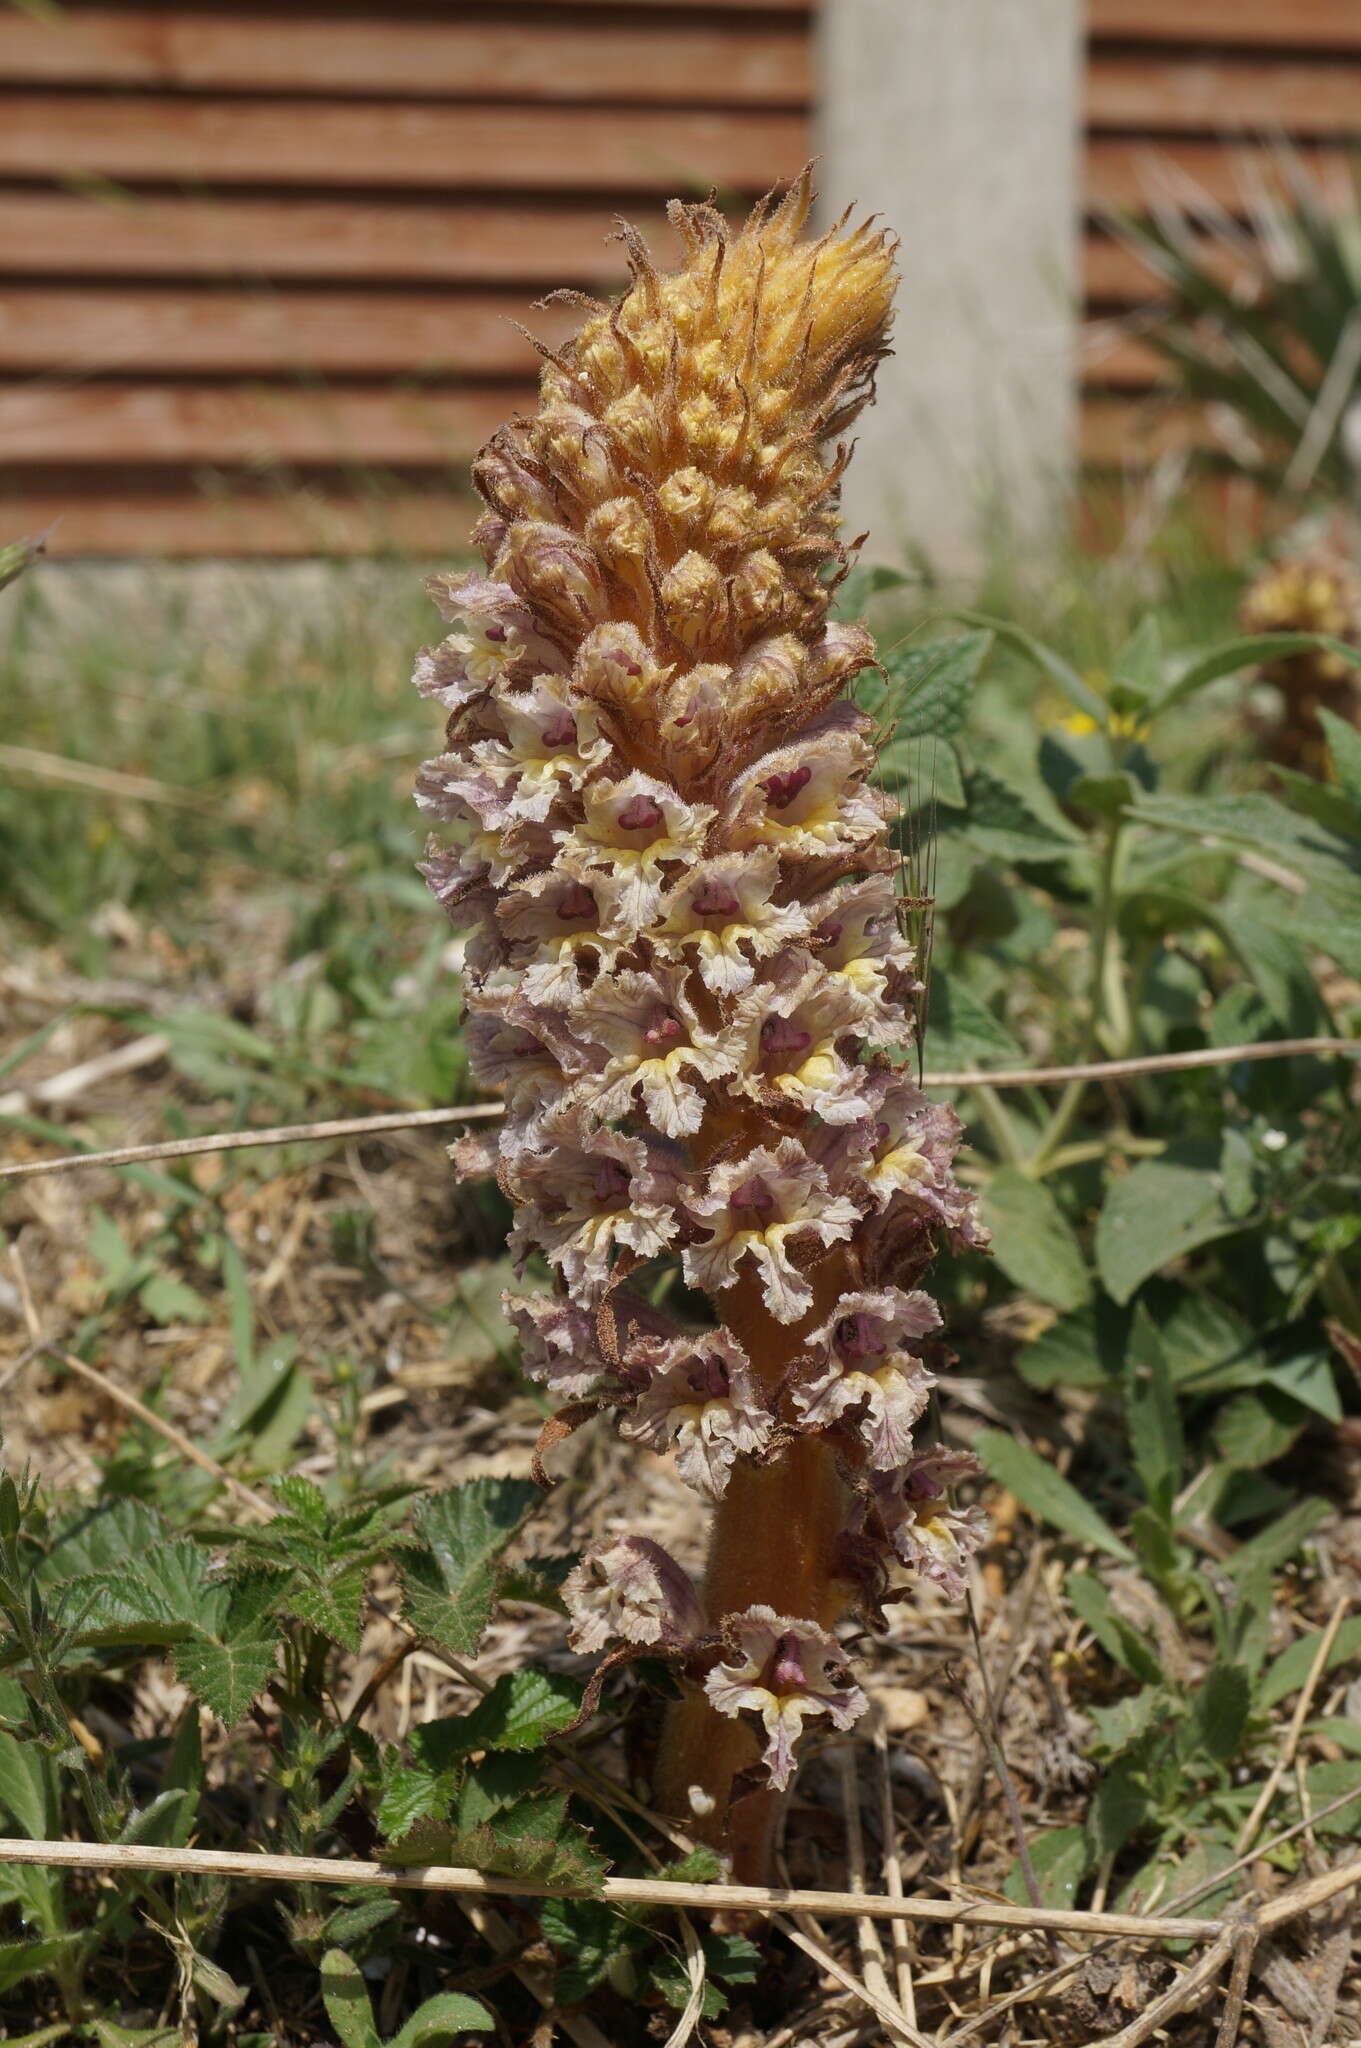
784	1671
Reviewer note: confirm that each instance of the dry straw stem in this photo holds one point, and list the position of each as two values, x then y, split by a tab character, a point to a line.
640	1891
426	1119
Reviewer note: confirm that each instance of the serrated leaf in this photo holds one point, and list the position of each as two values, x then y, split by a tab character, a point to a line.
931	684
451	1583
1326	1782
1006	825
226	1676
1126	1723
1042	1489
1344	748
1219	1711
922	772
533	1839
40	1957
1159	1211
346	1998
1257	1426
1033	1241
588	1937
442	2017
414	1793
523	1710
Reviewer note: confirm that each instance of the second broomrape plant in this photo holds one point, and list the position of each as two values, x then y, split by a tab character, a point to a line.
686	949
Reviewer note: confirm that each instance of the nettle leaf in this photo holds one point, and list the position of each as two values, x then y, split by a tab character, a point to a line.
588	1937
226	1676
496	1784
1007	826
931	684
1060	1860
1157	1212
412	1793
451	1581
28	1789
1219	1711
1033	1241
531	1839
922	772
99	1539
523	1711
1041	1488
1126	1724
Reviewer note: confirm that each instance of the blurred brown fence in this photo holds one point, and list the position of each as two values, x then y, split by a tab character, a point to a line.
259	267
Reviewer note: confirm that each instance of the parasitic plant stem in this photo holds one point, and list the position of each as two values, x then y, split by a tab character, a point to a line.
687	971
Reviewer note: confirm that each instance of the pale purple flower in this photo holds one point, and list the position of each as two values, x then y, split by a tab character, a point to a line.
657	1048
927	1533
635	829
783	1670
583	1192
549	744
631	1590
858	1370
759	1207
724	913
800	1041
559	1344
701	1398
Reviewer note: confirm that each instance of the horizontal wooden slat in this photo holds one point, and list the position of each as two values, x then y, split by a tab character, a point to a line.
1124	172
100	518
312	143
455	241
1112	359
712	63
1254	94
1134	431
253	332
103	431
160	424
507	148
1291	24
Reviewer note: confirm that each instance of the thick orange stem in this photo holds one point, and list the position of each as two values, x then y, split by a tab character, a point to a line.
773	1542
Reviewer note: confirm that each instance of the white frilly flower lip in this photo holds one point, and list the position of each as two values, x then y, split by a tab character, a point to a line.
784	1670
583	1192
800	1035
701	1397
857	1369
657	1048
927	1533
809	798
499	638
548	743
636	828
628	1589
723	911
758	1207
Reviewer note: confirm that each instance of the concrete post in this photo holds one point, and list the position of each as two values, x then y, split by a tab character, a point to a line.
958	121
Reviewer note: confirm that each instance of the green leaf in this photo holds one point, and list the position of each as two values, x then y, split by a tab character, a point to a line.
923	772
1046	1492
1159	1211
1059	1860
168	1299
1117	1811
1117	1637
1257	1426
589	1937
1344	745
931	685
1006	825
1278	1543
1251	651
1125	1725
442	2017
1219	1712
1326	1782
226	1676
39	1957
1105	795
1084	1349
28	1789
411	1793
1288	1672
346	1998
17	555
451	1582
523	1710
531	1839
1033	1241
962	1032
1154	1419
1061	673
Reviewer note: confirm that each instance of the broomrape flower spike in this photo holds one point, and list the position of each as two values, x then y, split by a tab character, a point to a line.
685	967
